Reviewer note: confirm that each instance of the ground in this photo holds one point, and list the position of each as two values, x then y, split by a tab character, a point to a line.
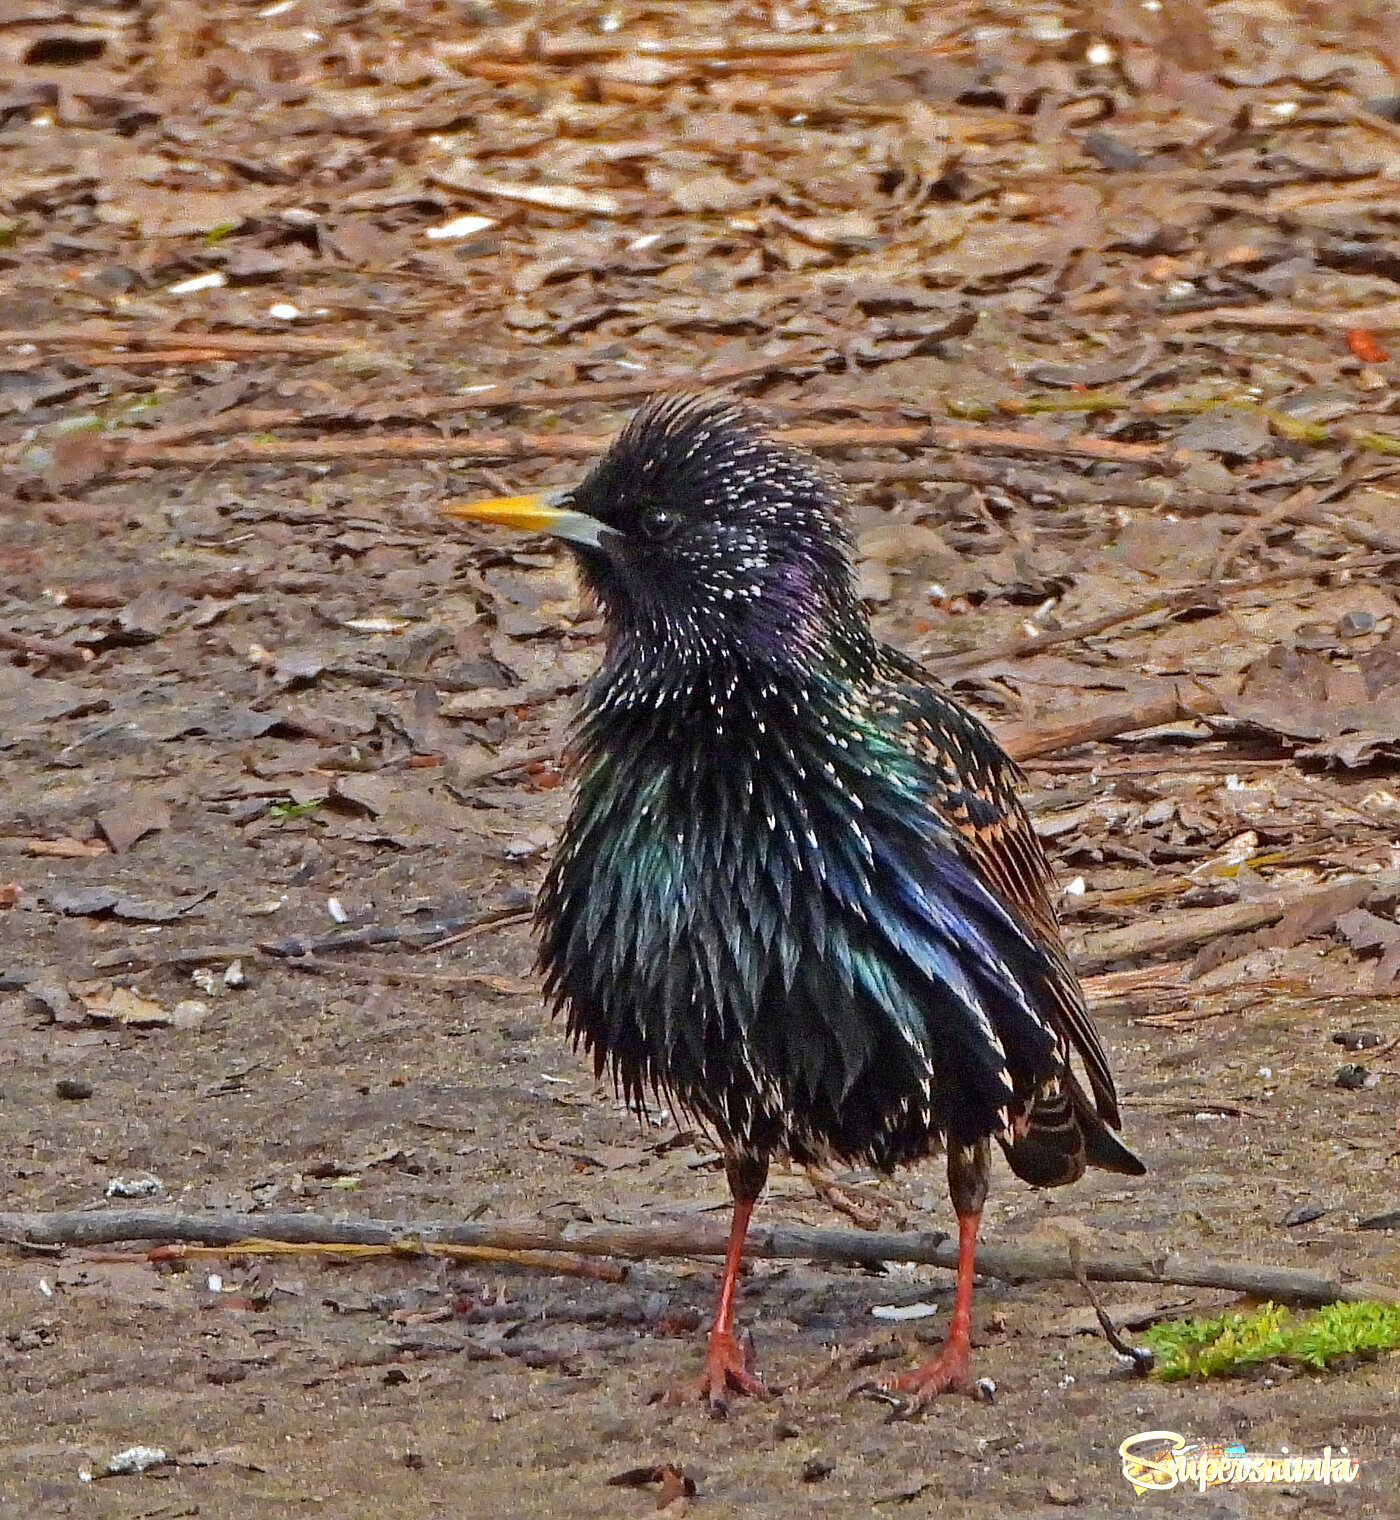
1091	312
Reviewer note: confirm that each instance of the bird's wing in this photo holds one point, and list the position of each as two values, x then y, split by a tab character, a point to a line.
972	788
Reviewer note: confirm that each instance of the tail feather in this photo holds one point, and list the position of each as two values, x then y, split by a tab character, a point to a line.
1061	1135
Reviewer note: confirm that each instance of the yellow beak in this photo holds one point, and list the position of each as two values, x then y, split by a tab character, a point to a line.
536	513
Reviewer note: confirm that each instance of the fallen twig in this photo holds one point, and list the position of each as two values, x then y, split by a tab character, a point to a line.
462	774
513	446
46	649
1201	594
561	1263
1165	932
1382	318
1027	1263
514	44
427	935
1253	534
175	337
144	958
482	398
1025	742
1015	649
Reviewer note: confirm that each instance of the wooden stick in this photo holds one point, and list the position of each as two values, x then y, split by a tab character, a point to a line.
1382	318
1015	649
561	1263
1174	599
1024	742
512	446
48	649
1165	932
577	46
490	398
176	337
772	1242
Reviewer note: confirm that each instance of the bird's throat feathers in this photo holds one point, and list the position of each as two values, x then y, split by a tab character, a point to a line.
801	624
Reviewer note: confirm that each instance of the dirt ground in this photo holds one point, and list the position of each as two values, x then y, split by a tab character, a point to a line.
1092	307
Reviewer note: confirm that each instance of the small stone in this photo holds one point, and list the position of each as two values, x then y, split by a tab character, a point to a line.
1352	625
814	1469
1351	1077
1061	1493
1357	1039
73	1088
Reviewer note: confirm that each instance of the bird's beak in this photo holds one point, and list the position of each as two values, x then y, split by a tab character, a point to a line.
537	513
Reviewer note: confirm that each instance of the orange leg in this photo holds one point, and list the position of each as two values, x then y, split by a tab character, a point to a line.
726	1365
948	1371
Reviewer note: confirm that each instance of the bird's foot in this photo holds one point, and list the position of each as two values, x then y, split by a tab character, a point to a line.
727	1371
912	1392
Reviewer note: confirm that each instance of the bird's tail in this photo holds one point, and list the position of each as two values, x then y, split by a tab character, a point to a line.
1062	1134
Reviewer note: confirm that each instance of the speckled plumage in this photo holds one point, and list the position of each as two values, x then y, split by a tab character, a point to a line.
797	894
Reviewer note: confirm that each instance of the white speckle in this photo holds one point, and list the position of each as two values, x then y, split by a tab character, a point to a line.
1099	54
211	281
284	312
1075	888
135	1459
144	1186
214	1283
1266	1072
461	227
44	1287
897	1312
336	909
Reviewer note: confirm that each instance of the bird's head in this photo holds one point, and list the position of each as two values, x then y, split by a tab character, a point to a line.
699	534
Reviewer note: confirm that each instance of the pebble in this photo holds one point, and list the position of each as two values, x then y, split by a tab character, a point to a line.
1356	1039
73	1088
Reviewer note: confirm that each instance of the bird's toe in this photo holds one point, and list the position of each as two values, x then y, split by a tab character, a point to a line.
726	1373
910	1393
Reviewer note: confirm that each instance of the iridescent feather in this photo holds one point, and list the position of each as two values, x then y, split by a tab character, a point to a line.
797	894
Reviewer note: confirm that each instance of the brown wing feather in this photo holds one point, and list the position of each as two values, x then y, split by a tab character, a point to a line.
974	790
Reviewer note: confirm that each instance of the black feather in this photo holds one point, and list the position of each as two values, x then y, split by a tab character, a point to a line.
797	894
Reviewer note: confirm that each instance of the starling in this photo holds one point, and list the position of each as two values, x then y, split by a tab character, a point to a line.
797	896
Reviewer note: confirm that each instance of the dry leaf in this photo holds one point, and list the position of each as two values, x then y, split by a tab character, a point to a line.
124	825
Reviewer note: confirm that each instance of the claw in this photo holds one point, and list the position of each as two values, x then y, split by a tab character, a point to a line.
726	1371
910	1393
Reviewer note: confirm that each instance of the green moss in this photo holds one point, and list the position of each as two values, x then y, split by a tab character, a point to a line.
283	812
1216	1347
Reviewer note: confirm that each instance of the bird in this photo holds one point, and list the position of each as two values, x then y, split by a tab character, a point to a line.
797	898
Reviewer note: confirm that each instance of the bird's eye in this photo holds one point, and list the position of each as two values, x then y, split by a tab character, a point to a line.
660	523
